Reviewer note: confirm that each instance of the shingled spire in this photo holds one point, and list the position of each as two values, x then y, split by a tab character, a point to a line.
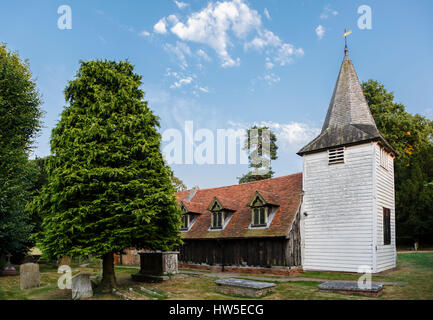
349	120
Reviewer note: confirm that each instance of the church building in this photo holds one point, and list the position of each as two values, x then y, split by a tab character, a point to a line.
337	215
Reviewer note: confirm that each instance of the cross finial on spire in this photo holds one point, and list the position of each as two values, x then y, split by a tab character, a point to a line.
9	259
346	33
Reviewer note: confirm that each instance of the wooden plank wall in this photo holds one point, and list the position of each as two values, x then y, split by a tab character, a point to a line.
339	200
253	252
386	255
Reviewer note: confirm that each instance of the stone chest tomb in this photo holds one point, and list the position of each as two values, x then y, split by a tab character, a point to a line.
157	266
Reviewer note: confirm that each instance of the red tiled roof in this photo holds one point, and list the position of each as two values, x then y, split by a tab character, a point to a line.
269	197
286	192
182	195
228	204
194	207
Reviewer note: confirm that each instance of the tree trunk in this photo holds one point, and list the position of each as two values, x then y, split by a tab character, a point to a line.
108	281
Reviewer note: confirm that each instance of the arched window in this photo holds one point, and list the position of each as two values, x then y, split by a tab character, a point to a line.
260	216
217	219
185	222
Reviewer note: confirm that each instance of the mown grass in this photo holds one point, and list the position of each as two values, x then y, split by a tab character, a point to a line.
414	268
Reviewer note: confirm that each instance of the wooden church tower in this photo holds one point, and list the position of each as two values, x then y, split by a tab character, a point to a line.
348	211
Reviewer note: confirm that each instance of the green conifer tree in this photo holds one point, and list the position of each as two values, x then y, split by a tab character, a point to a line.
108	185
20	112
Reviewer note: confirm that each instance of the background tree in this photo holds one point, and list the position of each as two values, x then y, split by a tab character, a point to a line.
37	180
259	158
108	186
19	123
178	184
412	137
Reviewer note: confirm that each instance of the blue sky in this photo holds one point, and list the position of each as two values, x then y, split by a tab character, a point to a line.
229	64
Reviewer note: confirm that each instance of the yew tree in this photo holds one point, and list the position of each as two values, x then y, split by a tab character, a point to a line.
108	185
20	112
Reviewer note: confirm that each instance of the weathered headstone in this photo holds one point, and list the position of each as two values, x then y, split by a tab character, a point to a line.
29	276
81	286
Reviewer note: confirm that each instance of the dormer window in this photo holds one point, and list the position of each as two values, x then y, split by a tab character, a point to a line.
259	212
222	211
263	206
191	212
217	215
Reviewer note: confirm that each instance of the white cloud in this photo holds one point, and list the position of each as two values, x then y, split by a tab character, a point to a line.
264	39
182	82
289	135
268	64
222	25
173	19
183	79
293	134
161	26
268	79
282	52
144	33
213	25
327	11
180	79
180	51
180	4
320	31
204	89
285	53
271	78
202	54
267	15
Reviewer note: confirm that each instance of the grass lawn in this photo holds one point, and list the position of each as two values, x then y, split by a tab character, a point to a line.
414	268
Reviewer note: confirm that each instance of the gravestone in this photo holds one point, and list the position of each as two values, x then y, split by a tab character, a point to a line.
157	266
29	276
245	288
9	269
81	286
351	287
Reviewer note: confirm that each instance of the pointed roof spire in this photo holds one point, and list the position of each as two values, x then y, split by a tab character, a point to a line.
349	120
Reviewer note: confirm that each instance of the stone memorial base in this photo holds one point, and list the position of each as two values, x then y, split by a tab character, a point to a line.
139	277
29	276
9	271
81	286
351	287
156	266
244	288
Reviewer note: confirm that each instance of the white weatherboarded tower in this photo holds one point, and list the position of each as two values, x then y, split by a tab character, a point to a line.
348	214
